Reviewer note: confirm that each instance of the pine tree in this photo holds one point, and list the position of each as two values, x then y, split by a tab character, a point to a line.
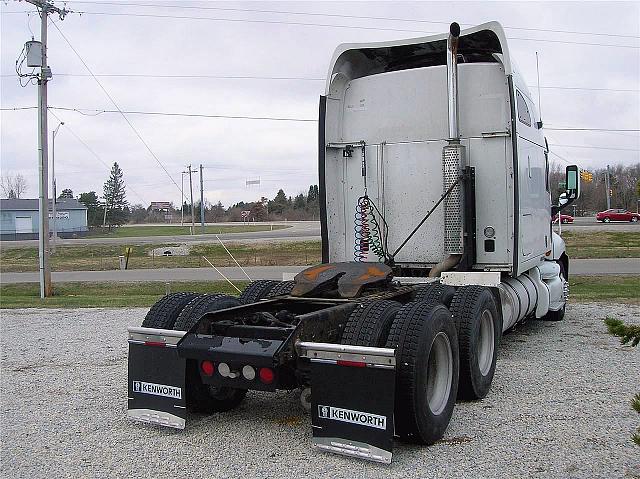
279	203
114	195
628	334
66	193
299	202
94	210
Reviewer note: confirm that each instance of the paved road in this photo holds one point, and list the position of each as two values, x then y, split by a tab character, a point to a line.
626	266
589	223
298	231
167	274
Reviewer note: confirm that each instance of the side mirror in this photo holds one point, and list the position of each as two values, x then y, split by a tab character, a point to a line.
572	193
572	180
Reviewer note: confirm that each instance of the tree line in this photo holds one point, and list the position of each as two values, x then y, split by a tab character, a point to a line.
280	208
113	209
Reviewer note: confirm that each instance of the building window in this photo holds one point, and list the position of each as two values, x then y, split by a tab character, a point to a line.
523	110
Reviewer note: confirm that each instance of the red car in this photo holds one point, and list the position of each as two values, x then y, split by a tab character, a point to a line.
617	214
564	218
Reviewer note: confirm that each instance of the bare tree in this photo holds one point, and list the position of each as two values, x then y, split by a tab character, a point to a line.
13	186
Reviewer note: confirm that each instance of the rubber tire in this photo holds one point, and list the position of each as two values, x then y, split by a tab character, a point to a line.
198	307
256	290
634	219
165	311
606	220
281	289
466	308
557	315
202	397
369	323
436	293
412	333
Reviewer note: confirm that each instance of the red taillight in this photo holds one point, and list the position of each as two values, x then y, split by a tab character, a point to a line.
267	375
353	364
155	343
207	368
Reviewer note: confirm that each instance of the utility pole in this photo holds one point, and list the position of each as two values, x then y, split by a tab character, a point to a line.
53	180
46	288
201	200
608	186
193	220
182	198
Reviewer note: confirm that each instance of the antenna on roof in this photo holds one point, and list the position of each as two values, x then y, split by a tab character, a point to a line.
539	123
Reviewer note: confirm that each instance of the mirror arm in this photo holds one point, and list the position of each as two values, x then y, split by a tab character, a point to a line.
555	209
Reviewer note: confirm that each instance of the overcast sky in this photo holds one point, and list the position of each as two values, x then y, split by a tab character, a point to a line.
233	39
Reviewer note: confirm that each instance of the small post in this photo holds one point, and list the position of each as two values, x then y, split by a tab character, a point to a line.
201	200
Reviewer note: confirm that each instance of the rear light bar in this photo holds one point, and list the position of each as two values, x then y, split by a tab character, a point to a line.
353	364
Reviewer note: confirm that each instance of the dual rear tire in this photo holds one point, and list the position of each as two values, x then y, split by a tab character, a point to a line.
181	311
479	328
424	337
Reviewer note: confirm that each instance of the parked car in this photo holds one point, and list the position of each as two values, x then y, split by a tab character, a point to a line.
617	214
564	218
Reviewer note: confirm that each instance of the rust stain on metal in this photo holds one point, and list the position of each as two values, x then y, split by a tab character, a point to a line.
314	273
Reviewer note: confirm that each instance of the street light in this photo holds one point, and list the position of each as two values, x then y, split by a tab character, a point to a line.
53	182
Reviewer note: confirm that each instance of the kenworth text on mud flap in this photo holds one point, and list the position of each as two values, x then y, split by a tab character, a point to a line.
436	238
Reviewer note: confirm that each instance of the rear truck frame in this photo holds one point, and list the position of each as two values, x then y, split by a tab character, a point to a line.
435	241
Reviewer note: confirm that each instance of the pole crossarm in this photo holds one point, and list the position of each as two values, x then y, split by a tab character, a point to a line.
48	6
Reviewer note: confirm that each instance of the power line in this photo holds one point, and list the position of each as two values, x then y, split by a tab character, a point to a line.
74	134
594	147
118	108
336	15
621	90
187	115
204	77
328	25
288	78
307	120
591	129
562	158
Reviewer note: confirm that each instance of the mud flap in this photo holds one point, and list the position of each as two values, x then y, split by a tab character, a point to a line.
156	377
352	399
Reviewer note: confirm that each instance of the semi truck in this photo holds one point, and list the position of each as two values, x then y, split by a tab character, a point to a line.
436	239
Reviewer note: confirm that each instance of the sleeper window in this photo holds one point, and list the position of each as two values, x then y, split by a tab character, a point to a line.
523	110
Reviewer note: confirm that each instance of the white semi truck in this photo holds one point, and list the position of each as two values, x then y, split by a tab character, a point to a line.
436	238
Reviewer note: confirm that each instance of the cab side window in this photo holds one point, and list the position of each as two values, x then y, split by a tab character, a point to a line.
523	110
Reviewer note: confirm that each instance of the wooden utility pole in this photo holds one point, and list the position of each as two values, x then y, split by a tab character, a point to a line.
193	220
44	268
201	200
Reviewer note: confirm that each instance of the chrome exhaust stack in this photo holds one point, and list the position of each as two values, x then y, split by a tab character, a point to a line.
453	164
452	81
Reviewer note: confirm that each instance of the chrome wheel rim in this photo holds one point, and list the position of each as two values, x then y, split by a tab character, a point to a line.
439	374
485	342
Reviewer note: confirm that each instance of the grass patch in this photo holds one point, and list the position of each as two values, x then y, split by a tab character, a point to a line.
602	244
105	257
111	295
136	231
622	289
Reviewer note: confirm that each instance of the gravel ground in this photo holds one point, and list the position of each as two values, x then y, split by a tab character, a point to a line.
559	407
